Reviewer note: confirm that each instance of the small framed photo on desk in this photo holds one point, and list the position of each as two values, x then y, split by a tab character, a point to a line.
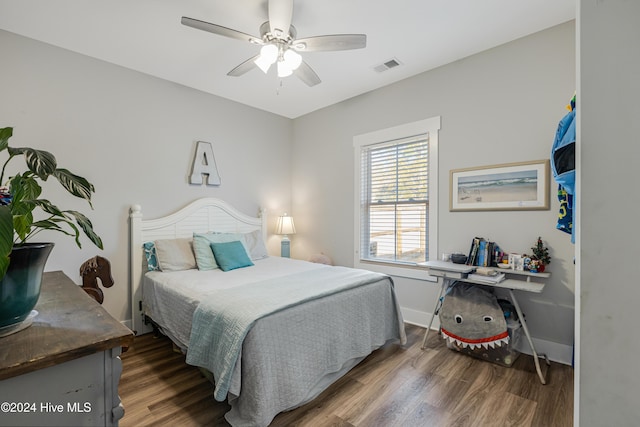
516	261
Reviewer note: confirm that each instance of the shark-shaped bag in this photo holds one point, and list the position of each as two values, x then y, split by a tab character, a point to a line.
471	317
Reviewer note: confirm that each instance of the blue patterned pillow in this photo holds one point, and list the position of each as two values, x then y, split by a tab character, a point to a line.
231	255
151	256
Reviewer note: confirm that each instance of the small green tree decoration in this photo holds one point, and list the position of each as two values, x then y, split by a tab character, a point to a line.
541	253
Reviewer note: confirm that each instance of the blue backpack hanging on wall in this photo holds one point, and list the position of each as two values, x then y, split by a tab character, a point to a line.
563	152
564	169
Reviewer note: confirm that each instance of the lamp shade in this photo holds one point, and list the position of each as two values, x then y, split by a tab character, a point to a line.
285	225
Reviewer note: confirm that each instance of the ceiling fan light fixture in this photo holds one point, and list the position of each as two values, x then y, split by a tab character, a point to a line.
278	38
284	70
268	55
292	59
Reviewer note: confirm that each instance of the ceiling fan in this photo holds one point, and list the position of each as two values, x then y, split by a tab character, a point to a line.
279	43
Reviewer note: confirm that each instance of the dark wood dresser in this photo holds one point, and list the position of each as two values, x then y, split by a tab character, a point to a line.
64	369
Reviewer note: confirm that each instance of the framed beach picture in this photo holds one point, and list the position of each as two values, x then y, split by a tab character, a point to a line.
511	186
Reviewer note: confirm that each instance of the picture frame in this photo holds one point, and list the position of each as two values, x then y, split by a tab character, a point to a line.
501	187
516	261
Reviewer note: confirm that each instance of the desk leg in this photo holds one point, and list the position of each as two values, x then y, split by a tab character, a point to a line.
435	311
536	360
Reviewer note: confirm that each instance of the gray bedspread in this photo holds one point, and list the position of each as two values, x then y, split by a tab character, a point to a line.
272	351
220	324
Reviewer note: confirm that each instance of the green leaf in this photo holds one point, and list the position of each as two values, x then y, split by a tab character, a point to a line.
87	227
48	207
6	238
76	185
22	225
5	134
40	162
52	224
47	224
24	190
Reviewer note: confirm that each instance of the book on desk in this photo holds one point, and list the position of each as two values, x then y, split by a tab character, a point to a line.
448	269
484	253
488	279
463	271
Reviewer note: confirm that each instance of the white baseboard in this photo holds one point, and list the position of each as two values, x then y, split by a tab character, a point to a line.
556	352
419	318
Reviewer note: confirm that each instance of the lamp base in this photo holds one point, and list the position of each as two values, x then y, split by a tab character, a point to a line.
285	248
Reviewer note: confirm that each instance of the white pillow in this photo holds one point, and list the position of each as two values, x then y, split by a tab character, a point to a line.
255	245
175	254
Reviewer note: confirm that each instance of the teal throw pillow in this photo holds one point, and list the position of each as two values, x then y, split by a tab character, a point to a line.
151	256
231	255
202	247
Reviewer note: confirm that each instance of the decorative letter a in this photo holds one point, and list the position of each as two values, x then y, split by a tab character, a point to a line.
204	164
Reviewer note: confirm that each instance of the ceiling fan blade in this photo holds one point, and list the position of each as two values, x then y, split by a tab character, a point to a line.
220	30
245	67
280	15
307	75
330	42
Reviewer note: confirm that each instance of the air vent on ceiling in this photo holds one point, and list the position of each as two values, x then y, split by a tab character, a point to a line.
387	65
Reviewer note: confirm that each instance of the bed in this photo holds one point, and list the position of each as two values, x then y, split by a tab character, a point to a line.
274	332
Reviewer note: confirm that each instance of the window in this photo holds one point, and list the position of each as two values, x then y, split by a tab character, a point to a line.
395	209
396	181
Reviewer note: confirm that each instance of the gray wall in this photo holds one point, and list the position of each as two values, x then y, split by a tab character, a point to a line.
133	137
499	106
608	289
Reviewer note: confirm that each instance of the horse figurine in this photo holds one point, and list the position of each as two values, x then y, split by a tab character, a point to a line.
93	269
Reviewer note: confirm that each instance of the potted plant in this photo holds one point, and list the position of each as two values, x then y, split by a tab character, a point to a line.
23	213
541	255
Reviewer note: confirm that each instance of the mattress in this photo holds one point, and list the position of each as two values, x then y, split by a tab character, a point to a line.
171	298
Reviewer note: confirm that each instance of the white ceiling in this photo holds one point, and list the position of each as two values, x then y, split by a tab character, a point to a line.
146	35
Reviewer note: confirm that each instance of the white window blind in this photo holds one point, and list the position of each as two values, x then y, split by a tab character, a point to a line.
394	202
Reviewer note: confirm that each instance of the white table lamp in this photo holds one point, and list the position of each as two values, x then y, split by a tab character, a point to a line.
285	227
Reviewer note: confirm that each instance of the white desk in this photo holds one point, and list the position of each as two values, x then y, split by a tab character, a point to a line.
515	280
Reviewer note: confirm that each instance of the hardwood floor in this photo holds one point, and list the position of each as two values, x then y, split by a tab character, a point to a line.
395	386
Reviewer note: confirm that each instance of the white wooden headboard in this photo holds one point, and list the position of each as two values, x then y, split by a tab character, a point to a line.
200	216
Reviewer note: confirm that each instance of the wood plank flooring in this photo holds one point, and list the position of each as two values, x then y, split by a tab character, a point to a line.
395	386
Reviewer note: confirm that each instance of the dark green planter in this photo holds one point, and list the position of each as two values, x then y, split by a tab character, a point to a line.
20	287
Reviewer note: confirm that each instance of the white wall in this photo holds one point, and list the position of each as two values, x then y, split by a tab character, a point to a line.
133	136
499	106
609	292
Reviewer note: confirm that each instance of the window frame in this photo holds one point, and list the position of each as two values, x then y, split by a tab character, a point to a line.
386	136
